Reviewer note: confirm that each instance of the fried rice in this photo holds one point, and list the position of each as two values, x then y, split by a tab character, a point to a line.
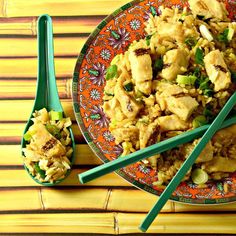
176	79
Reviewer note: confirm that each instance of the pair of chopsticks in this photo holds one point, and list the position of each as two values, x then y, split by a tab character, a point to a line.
207	131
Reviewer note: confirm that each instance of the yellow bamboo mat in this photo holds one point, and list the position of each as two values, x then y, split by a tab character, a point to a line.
108	205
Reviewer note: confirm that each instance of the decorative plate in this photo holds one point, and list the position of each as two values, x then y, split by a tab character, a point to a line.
112	36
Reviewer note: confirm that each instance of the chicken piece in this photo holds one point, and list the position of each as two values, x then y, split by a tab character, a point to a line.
44	143
129	106
172	122
208	9
181	106
113	110
173	31
220	164
206	154
141	68
148	134
175	63
225	134
217	70
129	134
161	101
168	89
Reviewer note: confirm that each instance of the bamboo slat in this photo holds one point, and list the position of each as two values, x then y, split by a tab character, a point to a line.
15	8
97	198
10	155
179	223
12	132
79	199
26	105
18	199
16	26
19	178
22	88
2	5
27	67
102	199
132	200
61	25
116	223
27	47
58	223
75	25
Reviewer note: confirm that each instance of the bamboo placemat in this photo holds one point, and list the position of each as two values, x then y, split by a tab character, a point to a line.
108	205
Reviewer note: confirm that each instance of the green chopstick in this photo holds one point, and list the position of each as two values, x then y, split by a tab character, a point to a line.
216	124
147	152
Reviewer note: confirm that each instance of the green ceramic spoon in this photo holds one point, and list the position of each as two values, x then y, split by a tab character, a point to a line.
46	92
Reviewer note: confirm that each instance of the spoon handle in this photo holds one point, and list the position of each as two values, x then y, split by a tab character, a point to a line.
47	94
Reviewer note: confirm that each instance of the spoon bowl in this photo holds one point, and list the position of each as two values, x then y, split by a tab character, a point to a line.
46	91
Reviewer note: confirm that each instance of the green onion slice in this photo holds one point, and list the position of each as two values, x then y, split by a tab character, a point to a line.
199	176
186	79
129	87
111	72
199	121
56	115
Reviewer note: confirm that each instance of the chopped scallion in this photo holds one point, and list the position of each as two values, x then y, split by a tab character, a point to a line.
233	76
186	79
226	35
56	115
199	121
108	94
40	171
53	130
129	87
208	92
199	176
158	65
199	55
27	136
111	72
148	39
190	41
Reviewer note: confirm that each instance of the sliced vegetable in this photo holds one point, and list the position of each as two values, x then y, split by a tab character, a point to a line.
158	65
199	55
56	115
204	84
138	95
129	87
53	130
197	72
108	94
230	34
226	35
199	176
208	114
200	17
27	136
111	72
186	79
190	41
40	171
205	33
199	121
208	92
182	18
148	39
233	76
